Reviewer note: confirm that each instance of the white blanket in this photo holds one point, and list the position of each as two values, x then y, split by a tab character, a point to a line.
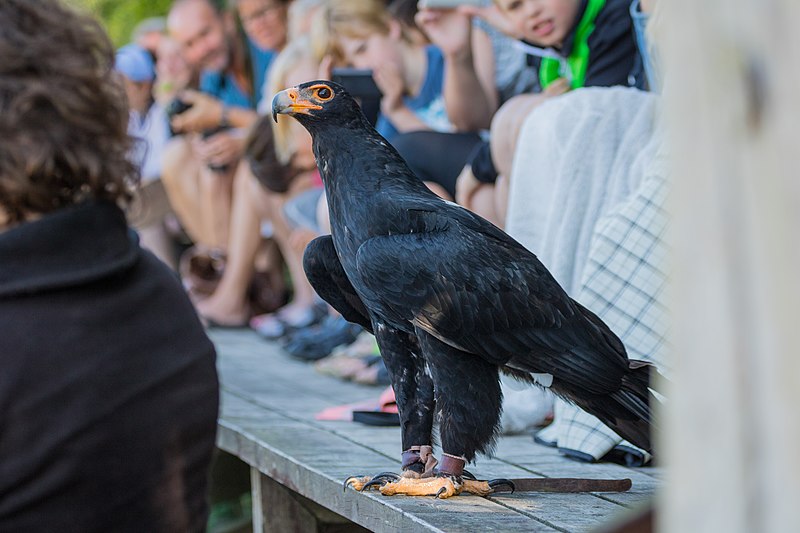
586	196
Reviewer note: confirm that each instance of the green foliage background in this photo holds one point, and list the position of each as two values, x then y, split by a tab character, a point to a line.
120	16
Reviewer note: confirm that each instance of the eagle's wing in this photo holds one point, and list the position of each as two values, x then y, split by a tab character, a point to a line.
473	287
326	275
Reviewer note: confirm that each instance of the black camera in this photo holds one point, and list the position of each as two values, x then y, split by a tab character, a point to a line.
178	106
175	107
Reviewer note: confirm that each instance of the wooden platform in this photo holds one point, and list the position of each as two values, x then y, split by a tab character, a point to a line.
268	406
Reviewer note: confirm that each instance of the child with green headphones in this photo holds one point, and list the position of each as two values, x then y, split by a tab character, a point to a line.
570	43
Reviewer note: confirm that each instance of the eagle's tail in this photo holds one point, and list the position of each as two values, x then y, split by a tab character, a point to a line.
630	410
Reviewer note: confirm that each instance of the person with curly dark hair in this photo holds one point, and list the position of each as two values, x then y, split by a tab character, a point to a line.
109	392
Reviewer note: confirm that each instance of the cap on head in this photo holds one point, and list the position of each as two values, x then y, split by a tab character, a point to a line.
135	63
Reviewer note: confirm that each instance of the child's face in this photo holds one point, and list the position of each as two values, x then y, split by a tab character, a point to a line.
370	52
541	22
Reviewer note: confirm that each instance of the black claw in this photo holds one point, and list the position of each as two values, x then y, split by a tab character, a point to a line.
466	474
386	477
380	480
347	482
373	483
495	483
440	491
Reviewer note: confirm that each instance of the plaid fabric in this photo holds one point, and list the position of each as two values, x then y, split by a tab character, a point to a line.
623	284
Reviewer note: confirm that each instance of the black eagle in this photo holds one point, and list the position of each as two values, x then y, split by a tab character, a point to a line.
452	301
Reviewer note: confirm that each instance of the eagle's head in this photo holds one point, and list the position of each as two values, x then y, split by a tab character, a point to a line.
317	100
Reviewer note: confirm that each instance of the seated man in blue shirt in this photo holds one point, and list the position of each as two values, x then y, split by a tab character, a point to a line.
199	167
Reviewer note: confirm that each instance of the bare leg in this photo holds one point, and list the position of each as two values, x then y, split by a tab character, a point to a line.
200	197
437	189
216	196
180	175
155	239
501	199
493	201
303	294
505	129
483	203
228	305
146	214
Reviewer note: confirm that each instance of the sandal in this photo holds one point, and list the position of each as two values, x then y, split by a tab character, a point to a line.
200	270
344	366
374	374
364	345
380	412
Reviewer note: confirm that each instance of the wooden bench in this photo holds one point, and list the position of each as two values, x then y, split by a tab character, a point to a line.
298	464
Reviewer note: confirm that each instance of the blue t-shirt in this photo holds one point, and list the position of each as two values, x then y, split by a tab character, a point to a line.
225	87
428	105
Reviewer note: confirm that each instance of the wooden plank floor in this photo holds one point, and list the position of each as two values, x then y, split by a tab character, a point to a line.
268	406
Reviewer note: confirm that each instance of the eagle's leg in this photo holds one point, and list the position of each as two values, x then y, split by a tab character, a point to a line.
468	401
413	390
468	405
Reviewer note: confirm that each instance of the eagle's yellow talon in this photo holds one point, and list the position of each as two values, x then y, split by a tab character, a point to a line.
439	487
477	487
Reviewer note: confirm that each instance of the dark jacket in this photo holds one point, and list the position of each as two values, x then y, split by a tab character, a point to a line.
108	385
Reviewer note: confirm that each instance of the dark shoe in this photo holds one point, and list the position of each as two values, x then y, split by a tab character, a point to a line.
312	344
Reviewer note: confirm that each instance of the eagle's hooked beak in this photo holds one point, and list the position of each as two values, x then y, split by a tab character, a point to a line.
289	102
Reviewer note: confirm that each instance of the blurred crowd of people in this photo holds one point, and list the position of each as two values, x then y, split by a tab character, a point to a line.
480	99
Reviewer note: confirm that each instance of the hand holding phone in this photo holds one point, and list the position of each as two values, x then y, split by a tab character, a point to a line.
489	12
449	29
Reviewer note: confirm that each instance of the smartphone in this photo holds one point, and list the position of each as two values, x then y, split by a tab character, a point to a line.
450	4
358	82
361	85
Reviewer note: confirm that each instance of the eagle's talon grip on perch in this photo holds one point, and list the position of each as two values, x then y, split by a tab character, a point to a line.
380	480
442	486
356	482
496	483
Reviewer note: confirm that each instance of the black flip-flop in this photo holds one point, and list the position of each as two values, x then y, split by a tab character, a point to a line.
376	418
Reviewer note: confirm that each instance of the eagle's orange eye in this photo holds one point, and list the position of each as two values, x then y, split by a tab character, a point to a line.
324	93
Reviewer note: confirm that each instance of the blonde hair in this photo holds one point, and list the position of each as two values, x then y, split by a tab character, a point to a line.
348	18
296	51
299	11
